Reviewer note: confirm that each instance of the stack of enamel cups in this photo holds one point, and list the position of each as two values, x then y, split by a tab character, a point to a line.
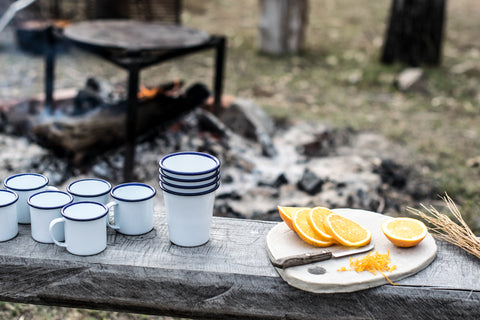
189	181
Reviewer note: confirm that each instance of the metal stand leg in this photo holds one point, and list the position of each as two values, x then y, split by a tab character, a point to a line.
49	68
131	122
219	70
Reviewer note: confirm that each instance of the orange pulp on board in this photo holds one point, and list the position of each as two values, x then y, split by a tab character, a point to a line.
372	263
404	232
346	231
305	231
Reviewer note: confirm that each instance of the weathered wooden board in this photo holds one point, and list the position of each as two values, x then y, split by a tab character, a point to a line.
283	242
229	277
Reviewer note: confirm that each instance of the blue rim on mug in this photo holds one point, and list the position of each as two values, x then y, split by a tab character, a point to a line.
90	195
160	163
188	178
190	194
168	184
190	190
154	192
29	201
25	174
15	199
84	219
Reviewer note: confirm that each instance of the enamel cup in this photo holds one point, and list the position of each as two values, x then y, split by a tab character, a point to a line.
189	183
133	208
189	180
189	216
25	185
8	215
187	189
90	189
189	165
46	206
84	226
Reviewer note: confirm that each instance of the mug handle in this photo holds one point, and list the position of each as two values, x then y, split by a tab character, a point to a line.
51	188
50	229
111	212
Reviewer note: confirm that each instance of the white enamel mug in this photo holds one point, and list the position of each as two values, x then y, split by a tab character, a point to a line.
189	217
189	165
90	189
25	185
133	208
85	228
8	215
46	206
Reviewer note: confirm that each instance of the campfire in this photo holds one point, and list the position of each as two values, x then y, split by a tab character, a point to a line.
173	89
92	120
147	93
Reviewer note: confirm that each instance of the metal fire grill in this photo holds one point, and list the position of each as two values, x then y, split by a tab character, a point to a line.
134	45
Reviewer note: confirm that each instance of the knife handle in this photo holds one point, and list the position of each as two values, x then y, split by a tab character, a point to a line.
301	259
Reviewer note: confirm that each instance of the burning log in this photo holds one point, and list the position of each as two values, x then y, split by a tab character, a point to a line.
94	120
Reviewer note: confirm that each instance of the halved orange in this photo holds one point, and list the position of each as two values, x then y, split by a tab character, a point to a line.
317	222
347	232
286	213
305	231
404	232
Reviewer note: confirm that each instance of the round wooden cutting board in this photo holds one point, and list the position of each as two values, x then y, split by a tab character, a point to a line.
323	277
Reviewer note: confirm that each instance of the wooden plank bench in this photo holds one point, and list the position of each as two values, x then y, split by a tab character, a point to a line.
229	277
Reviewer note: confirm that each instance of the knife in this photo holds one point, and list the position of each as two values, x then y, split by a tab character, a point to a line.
316	256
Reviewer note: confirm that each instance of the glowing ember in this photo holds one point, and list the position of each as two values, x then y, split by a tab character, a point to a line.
146	93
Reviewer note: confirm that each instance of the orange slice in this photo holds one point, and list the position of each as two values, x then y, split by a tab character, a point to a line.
317	222
286	213
346	231
305	231
404	232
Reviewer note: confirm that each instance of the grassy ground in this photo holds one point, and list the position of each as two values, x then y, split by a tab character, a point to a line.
337	80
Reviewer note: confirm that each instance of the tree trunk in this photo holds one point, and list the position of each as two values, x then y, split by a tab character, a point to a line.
415	32
282	26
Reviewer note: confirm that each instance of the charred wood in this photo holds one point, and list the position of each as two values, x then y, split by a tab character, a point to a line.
94	120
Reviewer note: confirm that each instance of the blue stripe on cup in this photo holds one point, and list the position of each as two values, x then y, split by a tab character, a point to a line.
189	178
189	194
71	187
32	202
133	184
88	205
7	198
163	164
20	176
188	186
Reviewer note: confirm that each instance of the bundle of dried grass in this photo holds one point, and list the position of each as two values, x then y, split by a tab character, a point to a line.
456	232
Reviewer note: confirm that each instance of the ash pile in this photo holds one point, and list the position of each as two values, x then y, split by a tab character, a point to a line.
265	163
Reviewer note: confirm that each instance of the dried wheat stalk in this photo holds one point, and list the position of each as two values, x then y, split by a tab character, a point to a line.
457	233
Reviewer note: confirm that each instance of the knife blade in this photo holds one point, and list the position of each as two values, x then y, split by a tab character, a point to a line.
319	255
